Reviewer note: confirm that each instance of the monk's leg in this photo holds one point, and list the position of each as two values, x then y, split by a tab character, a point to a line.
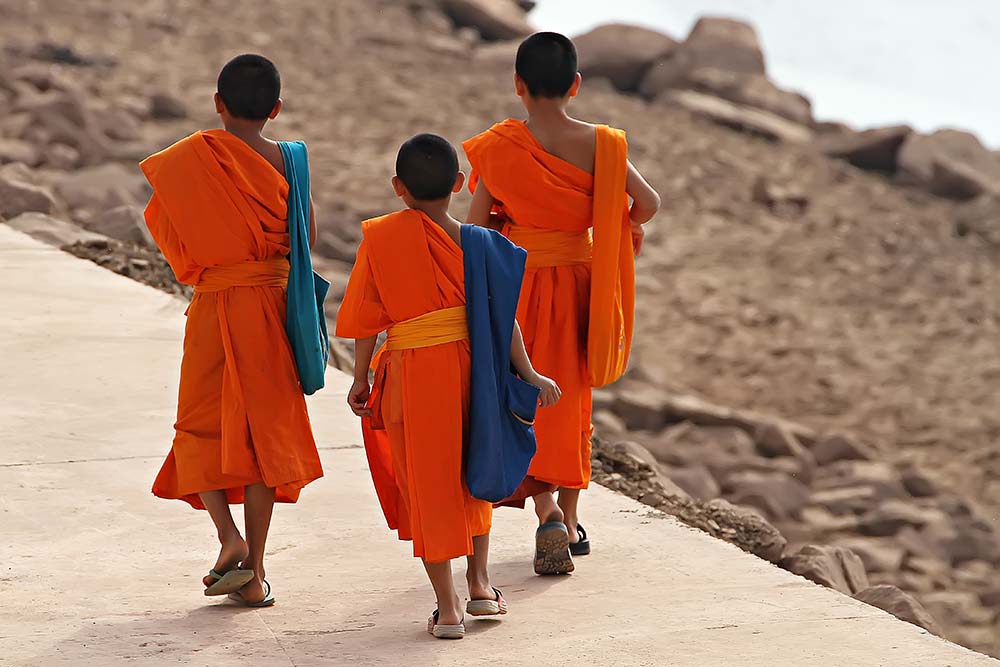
234	548
569	502
546	508
258	504
478	574
448	605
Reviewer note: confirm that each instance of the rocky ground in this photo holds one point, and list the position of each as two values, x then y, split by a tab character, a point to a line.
837	290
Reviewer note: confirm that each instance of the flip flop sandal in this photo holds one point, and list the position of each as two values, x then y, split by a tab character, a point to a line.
268	600
445	631
227	583
497	607
582	546
552	549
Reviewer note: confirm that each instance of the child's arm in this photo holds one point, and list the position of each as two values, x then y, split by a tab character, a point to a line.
361	390
645	204
481	207
312	223
519	357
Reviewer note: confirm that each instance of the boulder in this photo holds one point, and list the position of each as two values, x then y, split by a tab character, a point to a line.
51	230
779	496
833	567
777	440
332	245
957	607
607	423
738	117
621	53
981	218
97	189
642	409
901	605
949	163
877	555
696	481
842	447
918	485
125	223
686	443
779	198
893	515
742	527
17	197
494	19
875	149
752	90
166	106
16	150
880	477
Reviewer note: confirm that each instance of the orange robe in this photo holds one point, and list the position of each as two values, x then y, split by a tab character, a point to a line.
549	206
407	267
219	215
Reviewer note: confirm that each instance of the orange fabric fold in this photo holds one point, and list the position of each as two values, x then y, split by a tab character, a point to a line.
552	206
409	279
219	215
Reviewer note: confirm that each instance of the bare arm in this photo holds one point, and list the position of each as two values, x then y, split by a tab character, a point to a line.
358	396
645	200
522	364
482	205
312	223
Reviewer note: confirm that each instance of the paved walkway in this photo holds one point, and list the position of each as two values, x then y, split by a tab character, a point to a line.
95	571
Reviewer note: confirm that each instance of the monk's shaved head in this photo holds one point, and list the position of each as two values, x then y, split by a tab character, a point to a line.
428	166
546	62
250	86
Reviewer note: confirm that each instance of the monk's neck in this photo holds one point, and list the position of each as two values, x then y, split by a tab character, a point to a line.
250	133
547	113
436	212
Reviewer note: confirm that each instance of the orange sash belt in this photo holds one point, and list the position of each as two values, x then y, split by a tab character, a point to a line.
265	273
551	247
434	328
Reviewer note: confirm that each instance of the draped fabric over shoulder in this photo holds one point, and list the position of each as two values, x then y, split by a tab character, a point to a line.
219	215
408	279
549	205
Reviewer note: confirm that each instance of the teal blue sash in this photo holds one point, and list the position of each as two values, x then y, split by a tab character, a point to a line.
306	320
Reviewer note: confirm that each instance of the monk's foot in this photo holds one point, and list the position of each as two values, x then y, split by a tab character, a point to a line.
450	614
255	590
232	553
555	516
574	536
480	589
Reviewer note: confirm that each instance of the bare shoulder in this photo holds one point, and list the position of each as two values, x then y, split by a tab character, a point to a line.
271	151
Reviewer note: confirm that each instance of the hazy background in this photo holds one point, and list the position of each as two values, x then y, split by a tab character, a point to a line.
923	62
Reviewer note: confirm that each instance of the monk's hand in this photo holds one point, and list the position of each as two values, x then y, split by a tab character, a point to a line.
358	396
550	394
638	234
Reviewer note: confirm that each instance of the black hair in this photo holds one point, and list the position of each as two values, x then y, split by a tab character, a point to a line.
250	86
428	166
546	62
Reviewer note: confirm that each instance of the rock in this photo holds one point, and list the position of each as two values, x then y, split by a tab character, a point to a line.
686	443
949	163
97	189
842	447
845	500
64	54
696	481
61	157
738	117
778	198
833	567
642	409
752	90
125	223
608	423
332	245
63	117
779	496
877	555
17	197
957	607
494	19
881	478
742	527
875	150
990	597
901	605
980	217
51	230
166	106
15	150
621	53
892	515
121	125
918	484
719	43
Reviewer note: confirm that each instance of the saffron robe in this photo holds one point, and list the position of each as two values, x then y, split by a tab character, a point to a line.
549	206
219	215
408	267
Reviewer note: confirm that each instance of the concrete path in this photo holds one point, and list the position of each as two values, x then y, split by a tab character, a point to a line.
96	571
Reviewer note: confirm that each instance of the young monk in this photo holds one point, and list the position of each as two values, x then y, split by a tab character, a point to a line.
542	179
219	214
408	280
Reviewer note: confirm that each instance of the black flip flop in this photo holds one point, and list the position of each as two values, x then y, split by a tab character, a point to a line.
582	547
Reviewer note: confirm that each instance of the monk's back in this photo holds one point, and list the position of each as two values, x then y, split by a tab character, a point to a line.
572	142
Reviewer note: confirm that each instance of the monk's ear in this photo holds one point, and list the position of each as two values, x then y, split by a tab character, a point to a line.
220	106
574	90
398	187
459	182
276	110
519	86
